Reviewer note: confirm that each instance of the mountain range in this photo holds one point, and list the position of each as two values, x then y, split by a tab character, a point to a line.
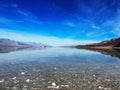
11	43
108	44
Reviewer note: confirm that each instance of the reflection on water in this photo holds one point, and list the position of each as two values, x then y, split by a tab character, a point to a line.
59	68
12	49
113	52
9	49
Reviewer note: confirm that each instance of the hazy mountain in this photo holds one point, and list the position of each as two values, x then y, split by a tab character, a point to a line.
12	43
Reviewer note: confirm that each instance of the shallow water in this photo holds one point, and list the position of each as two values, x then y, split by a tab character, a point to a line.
59	68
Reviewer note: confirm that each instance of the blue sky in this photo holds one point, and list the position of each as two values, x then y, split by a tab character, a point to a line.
60	22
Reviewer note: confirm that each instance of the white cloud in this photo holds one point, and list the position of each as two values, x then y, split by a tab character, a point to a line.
50	40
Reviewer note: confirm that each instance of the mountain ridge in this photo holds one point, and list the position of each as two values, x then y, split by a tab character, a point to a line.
108	44
4	42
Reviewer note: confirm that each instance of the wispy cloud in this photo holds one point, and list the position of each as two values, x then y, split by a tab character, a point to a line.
14	5
50	40
85	22
94	26
7	21
4	20
19	22
70	23
115	24
23	12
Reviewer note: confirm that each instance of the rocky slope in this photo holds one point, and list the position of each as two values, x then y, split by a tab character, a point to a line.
113	43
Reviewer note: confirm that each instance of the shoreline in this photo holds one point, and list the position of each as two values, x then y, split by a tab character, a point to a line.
97	47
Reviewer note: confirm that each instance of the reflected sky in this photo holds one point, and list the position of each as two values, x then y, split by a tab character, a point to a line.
77	68
52	54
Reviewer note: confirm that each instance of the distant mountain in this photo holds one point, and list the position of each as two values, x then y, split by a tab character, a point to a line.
108	44
12	43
